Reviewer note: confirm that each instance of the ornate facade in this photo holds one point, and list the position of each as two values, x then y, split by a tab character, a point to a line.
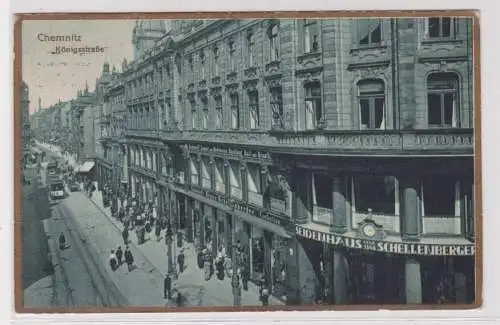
338	152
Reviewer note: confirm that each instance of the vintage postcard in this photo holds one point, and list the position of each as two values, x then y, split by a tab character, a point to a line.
288	162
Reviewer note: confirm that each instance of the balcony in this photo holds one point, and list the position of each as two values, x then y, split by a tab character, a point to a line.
142	133
373	142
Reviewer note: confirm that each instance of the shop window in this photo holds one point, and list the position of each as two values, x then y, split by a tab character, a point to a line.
219	112
313	109
376	194
253	98
194	171
277	106
216	62
440	27
442	100
322	198
206	178
235	179
311	38
235	111
369	32
274	42
258	255
371	104
439	193
219	176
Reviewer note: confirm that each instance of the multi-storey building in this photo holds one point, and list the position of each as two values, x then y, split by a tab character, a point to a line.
338	152
26	125
111	167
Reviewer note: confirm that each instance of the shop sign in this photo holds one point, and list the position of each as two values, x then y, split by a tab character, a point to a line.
382	246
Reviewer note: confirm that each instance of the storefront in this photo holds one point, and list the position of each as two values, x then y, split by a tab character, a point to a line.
335	269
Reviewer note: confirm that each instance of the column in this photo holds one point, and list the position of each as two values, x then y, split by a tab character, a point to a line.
413	281
340	278
244	181
189	220
411	217
339	220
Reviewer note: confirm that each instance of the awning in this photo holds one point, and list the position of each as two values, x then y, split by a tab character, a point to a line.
86	167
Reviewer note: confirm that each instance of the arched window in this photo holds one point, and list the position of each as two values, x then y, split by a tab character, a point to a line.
442	100
313	107
371	93
274	42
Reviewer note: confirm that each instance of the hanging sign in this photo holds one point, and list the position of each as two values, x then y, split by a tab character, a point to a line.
383	246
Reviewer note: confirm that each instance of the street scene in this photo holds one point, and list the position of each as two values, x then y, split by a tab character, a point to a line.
246	163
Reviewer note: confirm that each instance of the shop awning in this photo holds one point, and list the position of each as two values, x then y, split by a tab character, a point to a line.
86	167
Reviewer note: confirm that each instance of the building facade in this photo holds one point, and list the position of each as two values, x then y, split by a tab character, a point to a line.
26	123
337	152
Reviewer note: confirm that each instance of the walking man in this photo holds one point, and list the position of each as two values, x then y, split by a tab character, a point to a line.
236	287
119	255
129	259
167	287
125	235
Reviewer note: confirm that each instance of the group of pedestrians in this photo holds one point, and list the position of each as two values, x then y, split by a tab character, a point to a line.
116	258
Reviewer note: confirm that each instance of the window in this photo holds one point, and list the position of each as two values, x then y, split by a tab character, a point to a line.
205	118
202	65
377	193
440	27
253	99
311	40
371	104
439	196
313	105
369	31
194	165
194	115
277	106
322	187
274	42
216	61
205	173
250	49
218	109
232	53
235	111
442	100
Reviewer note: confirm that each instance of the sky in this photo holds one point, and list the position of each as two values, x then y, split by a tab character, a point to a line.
59	76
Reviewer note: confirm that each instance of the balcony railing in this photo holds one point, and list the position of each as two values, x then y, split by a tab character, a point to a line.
452	141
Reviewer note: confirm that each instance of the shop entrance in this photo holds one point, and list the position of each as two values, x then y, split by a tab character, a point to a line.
376	278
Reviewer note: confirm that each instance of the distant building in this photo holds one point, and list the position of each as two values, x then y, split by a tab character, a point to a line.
25	109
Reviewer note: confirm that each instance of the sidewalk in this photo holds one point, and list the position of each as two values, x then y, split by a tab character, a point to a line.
191	281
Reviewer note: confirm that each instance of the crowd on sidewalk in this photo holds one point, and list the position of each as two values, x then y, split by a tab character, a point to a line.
130	216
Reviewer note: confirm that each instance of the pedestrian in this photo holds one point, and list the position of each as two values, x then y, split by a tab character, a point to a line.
245	275
62	241
129	258
119	255
236	288
180	260
207	263
264	294
167	287
125	235
158	230
112	260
